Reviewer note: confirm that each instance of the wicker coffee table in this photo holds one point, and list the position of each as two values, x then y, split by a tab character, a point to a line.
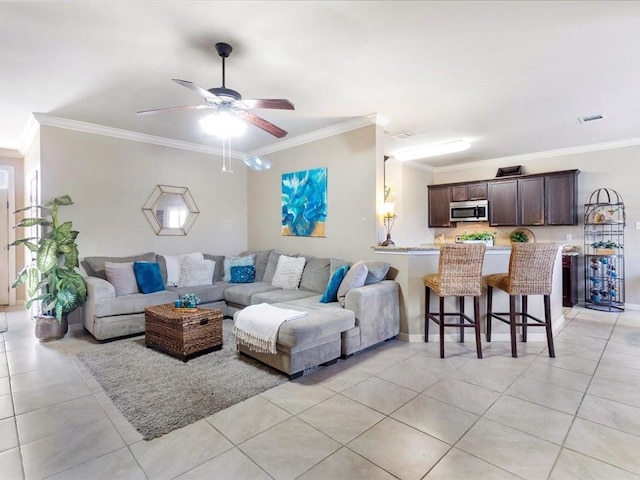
184	333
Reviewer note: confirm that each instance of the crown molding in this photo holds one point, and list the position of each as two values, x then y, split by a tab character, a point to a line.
8	153
86	127
349	125
413	164
630	142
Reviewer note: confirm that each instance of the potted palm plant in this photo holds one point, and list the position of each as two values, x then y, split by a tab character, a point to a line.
52	278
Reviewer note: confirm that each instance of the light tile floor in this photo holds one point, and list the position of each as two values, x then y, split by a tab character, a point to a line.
395	411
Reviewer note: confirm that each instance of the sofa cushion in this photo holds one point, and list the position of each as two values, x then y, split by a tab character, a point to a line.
206	293
336	263
262	259
331	292
240	293
238	261
218	275
315	275
272	265
377	271
322	321
94	266
280	295
289	272
243	274
148	277
354	278
136	302
121	276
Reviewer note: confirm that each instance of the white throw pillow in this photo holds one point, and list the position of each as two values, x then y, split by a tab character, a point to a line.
194	272
174	264
122	277
289	272
354	278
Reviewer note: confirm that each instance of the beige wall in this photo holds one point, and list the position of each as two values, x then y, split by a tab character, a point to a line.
354	184
409	192
614	168
110	179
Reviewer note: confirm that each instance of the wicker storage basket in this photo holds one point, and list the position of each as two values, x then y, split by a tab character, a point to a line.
183	334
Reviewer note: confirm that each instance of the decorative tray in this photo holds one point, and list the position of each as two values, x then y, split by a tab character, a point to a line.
528	234
183	309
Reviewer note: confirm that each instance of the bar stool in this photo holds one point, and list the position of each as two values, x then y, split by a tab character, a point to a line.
460	275
530	273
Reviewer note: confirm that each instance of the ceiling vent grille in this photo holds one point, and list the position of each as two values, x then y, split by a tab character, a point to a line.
591	118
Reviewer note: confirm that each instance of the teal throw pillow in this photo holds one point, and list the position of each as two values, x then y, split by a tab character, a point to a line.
331	293
243	274
148	277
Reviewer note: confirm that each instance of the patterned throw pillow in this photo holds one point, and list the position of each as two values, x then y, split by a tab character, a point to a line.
194	273
289	272
237	262
243	274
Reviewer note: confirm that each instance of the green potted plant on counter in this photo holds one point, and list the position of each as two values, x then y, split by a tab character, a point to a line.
52	278
478	237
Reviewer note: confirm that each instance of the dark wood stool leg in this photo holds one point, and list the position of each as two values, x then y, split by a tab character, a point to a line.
489	310
461	303
512	325
441	327
525	306
476	316
427	298
547	322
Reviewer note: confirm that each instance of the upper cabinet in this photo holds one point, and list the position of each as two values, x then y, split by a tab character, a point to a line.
439	198
527	200
561	198
503	203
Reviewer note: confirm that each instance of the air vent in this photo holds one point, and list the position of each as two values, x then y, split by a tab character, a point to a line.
402	136
591	118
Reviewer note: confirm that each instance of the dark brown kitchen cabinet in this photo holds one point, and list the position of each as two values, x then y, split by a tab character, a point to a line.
531	201
468	191
561	198
569	280
438	198
503	203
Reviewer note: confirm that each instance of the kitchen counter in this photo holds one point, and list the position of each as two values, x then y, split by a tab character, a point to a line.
413	263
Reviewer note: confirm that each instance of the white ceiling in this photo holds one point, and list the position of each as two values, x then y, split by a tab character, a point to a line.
510	77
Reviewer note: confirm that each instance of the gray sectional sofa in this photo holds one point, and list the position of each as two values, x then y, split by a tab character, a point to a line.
370	314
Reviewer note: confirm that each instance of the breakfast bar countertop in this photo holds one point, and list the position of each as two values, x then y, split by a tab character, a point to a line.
433	249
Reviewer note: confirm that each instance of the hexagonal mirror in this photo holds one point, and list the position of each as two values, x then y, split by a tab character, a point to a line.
171	210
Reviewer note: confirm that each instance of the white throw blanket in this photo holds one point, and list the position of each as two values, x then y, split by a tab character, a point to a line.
256	326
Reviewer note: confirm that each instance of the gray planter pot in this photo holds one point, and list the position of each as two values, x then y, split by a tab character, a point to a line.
49	328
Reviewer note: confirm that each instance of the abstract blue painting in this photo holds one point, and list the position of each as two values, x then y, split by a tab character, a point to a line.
304	203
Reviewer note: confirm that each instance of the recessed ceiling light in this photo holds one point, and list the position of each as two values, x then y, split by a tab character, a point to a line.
433	150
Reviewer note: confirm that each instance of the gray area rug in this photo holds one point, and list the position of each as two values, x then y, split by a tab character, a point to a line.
3	322
158	393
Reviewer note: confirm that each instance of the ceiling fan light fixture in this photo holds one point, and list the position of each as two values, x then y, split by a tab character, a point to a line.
432	150
223	125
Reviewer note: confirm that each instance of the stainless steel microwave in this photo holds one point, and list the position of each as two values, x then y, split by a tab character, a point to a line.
476	211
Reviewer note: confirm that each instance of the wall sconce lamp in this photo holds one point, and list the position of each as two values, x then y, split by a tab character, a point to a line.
388	217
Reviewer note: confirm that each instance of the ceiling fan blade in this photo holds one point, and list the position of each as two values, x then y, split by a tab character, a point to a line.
279	103
195	88
173	109
261	123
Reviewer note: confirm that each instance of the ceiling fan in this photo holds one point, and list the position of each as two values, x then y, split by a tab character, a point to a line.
230	101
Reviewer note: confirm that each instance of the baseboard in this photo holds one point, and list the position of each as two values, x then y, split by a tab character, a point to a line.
75	327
